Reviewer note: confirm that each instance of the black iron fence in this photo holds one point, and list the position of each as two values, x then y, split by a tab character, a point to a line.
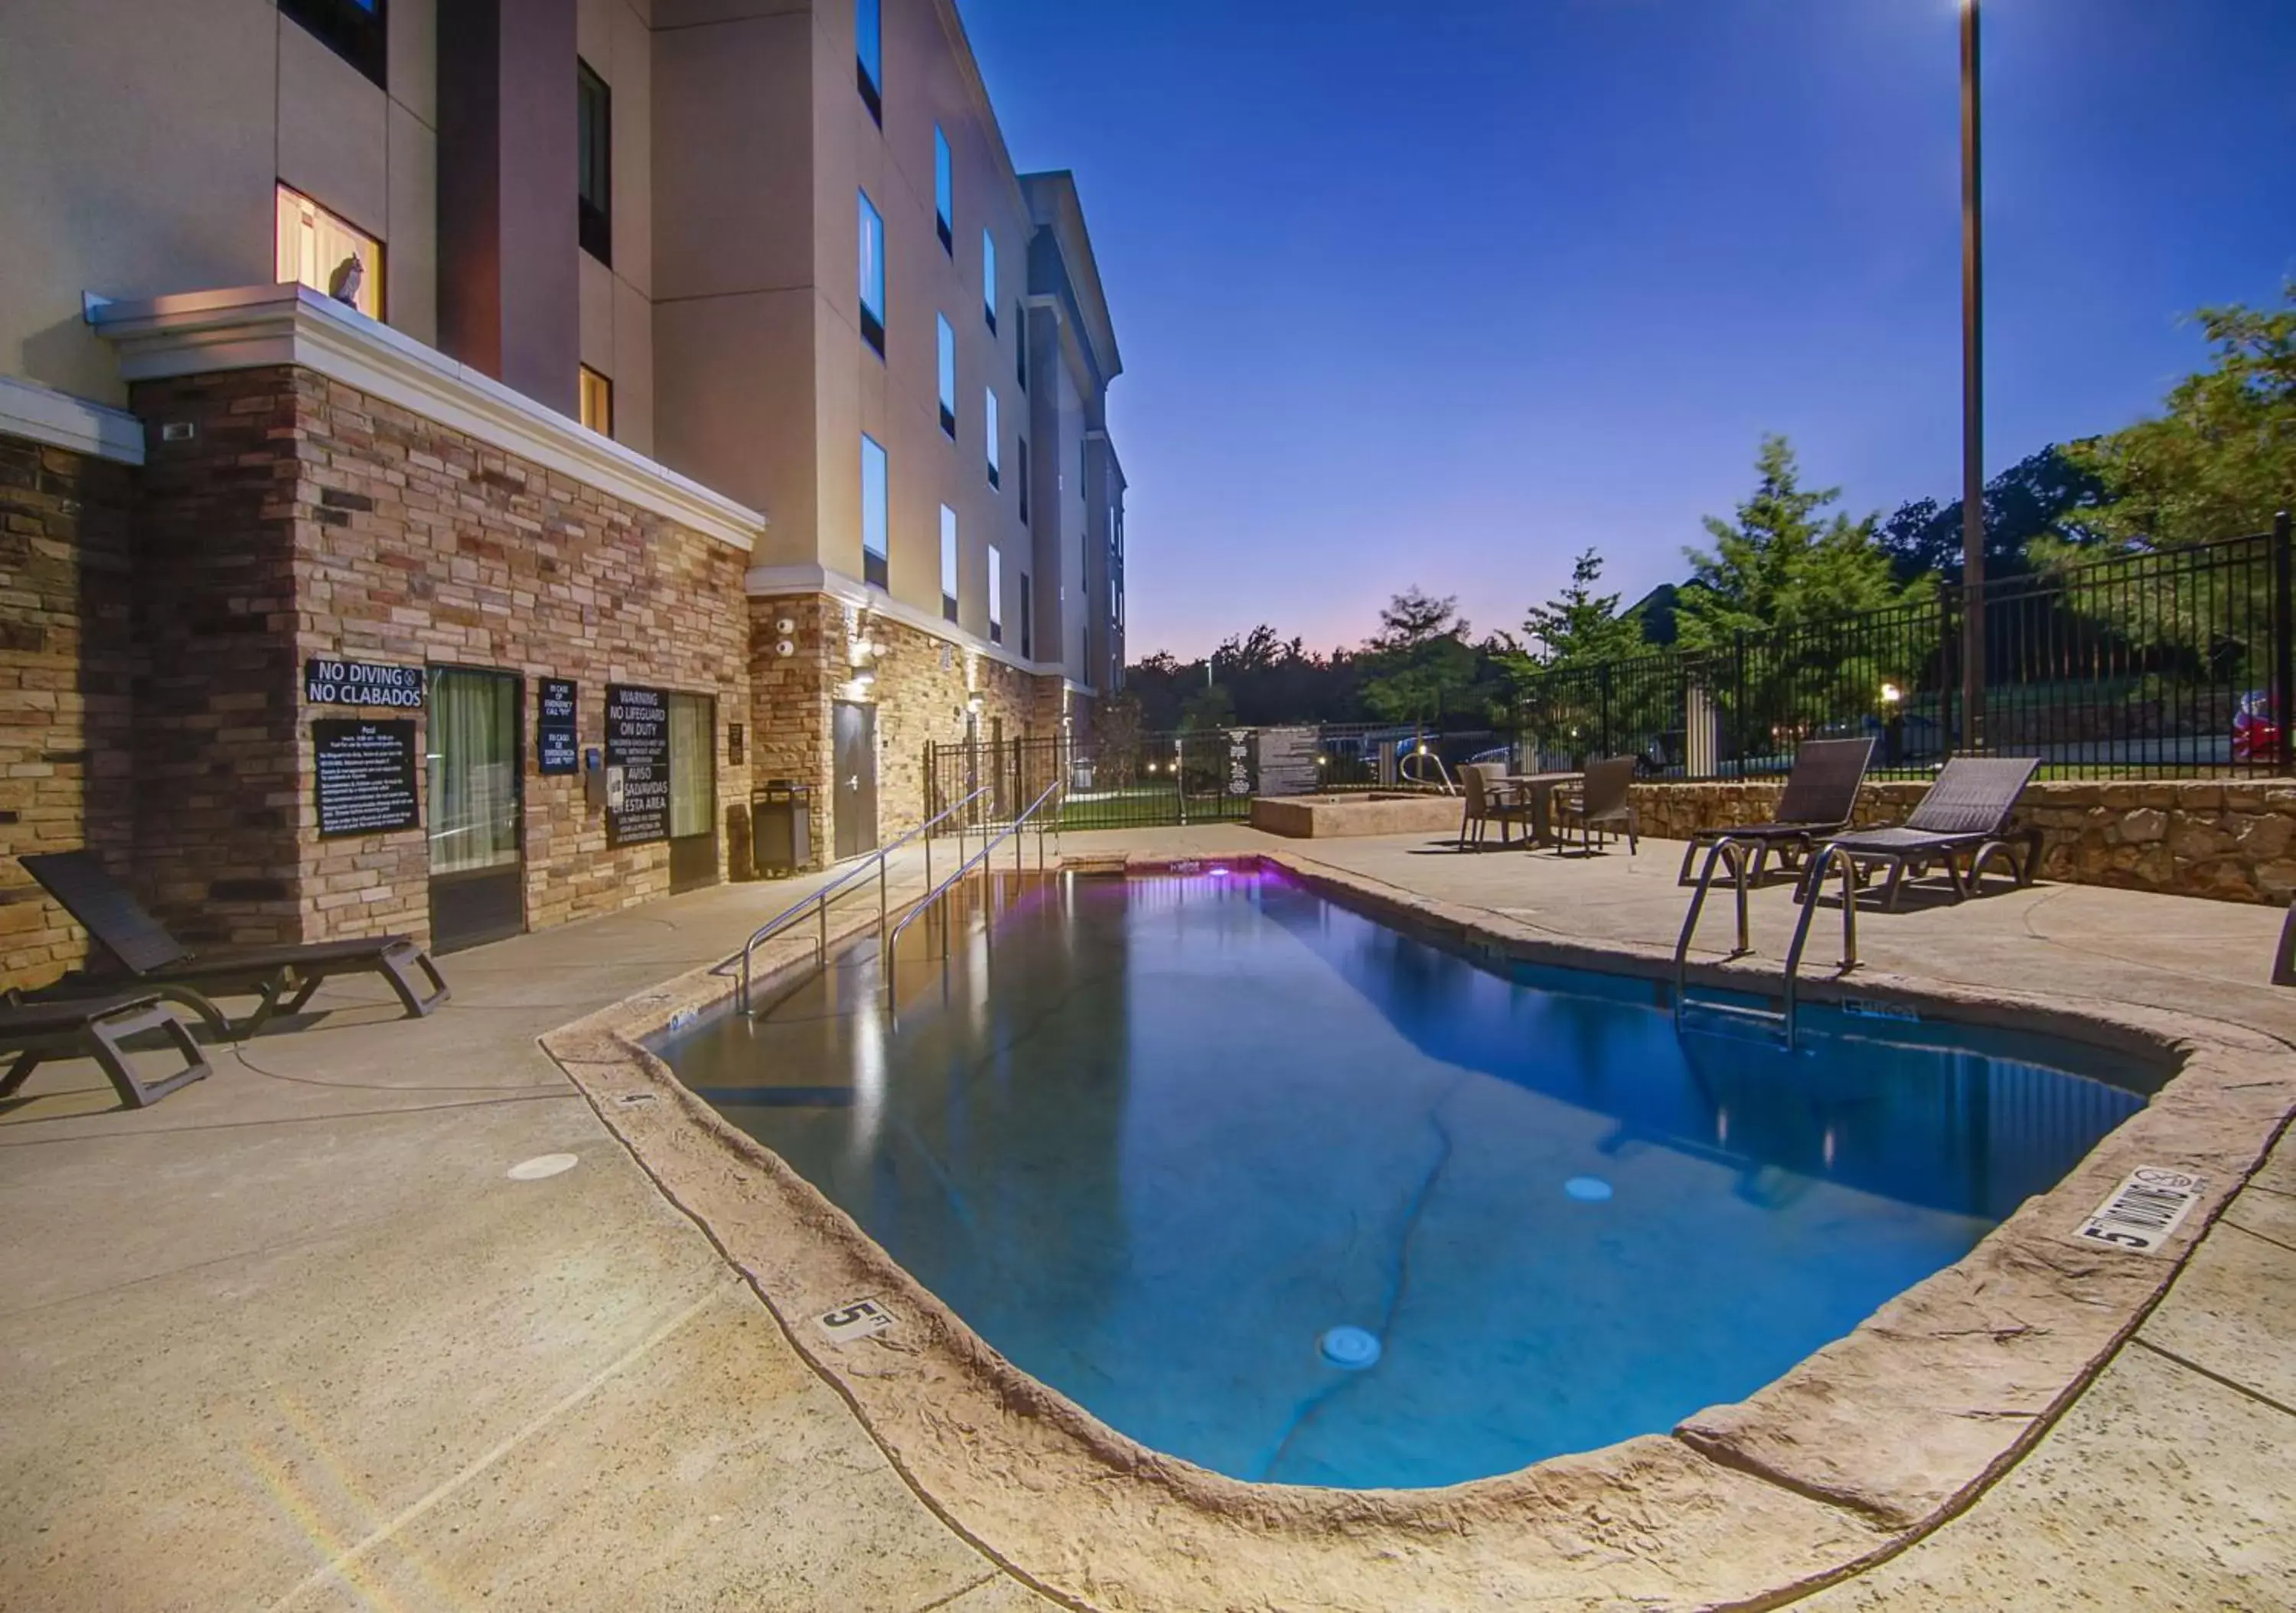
2175	662
1201	777
2169	662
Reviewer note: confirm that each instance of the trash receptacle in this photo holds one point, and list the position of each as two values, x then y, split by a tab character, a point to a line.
781	827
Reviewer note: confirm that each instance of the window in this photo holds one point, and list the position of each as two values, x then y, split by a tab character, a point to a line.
873	567
944	189
988	277
328	254
1021	346
996	596
594	142
1028	622
1021	465
597	402
868	54
354	29
947	375
872	276
988	413
947	563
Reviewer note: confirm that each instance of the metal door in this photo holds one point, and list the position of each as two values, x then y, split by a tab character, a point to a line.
478	869
854	743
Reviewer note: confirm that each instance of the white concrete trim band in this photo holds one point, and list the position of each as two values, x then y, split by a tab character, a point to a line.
200	332
60	421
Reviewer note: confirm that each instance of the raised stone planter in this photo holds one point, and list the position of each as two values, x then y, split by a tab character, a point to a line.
1320	817
2231	838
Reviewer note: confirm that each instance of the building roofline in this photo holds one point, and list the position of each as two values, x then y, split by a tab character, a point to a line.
969	69
1063	212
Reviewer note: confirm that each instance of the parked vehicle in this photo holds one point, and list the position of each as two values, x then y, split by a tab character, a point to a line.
2255	728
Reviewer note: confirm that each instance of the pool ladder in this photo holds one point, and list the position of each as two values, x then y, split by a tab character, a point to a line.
1738	856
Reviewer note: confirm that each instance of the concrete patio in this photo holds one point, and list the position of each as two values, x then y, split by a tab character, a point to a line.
292	1339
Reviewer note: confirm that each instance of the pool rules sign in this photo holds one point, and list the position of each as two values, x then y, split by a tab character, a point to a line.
637	764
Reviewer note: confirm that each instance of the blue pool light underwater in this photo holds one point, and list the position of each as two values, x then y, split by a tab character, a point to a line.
1156	1141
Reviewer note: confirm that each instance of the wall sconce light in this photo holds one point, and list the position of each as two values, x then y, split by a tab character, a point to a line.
1892	694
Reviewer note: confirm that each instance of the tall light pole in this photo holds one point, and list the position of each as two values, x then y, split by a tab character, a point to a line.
1973	401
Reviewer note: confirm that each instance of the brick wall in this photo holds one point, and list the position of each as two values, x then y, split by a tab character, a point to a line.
2232	839
67	772
304	518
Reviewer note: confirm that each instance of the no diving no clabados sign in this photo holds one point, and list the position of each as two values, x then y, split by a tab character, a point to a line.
329	683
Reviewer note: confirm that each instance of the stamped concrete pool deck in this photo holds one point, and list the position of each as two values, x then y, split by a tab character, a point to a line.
293	1339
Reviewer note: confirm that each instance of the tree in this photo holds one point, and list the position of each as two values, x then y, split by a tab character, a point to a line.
2047	495
1579	626
1419	668
1782	563
1793	581
2223	459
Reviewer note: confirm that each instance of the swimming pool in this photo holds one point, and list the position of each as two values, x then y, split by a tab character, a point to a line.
1164	1141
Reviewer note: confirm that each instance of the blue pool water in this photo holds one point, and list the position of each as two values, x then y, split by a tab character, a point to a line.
1273	1187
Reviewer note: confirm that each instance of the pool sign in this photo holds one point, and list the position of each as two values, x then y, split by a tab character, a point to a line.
862	1319
1239	761
554	728
637	764
2144	1210
331	682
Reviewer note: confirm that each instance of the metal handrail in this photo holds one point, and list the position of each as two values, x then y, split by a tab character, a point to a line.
1736	855
1403	767
889	949
820	899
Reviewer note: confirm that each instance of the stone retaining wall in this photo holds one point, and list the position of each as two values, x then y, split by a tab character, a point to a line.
2231	838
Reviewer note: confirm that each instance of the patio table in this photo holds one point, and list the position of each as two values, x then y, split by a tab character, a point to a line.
1540	787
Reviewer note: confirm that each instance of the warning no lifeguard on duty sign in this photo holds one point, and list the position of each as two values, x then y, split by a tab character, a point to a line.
327	683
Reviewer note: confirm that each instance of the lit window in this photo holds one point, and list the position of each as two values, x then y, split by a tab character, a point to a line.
996	596
356	31
868	52
318	250
988	411
597	402
593	146
988	277
944	191
873	567
948	374
948	562
1022	466
872	276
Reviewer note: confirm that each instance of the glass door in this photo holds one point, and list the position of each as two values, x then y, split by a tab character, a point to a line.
693	791
478	874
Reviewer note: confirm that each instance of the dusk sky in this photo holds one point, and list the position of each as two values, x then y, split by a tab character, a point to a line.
1440	293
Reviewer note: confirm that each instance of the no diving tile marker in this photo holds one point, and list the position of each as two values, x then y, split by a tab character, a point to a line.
862	1319
2148	1207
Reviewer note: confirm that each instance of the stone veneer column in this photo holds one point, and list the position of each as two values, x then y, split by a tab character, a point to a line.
67	666
790	696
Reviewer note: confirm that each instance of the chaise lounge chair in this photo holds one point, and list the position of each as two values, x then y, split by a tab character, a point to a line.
1603	805
1820	795
1965	813
94	1027
282	977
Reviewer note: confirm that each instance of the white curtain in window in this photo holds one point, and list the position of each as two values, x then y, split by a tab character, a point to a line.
692	764
474	720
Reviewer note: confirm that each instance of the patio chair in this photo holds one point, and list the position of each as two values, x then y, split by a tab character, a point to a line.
282	977
1965	814
94	1027
1487	801
1603	805
1820	795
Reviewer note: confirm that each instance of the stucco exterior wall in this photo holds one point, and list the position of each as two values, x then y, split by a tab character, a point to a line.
170	182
